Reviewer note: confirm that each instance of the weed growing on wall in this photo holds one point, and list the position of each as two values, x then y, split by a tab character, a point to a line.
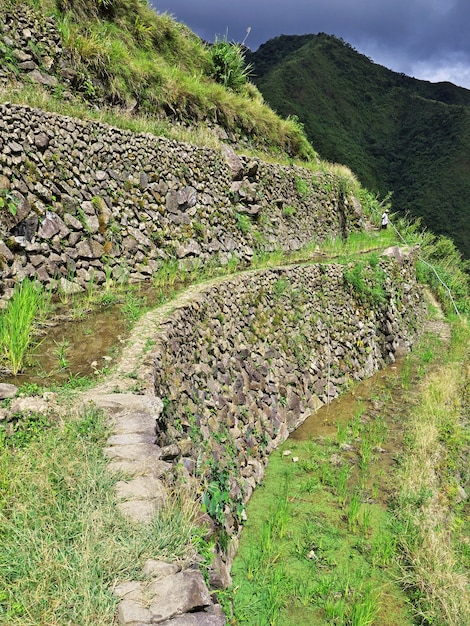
8	202
367	280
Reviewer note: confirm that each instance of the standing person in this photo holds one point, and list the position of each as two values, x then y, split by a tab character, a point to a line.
384	220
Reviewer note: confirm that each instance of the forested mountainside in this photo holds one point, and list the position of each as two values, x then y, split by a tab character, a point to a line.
398	134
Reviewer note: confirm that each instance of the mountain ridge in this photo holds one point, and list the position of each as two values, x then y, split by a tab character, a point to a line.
397	133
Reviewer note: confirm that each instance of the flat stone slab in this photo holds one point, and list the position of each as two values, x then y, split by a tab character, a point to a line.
134	423
178	594
130	590
133	452
125	439
141	488
141	511
116	402
159	569
140	467
132	613
7	391
201	618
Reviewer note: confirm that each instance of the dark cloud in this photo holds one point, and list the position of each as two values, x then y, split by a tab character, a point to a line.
423	38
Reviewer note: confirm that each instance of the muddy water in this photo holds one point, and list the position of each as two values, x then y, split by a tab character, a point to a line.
365	397
81	347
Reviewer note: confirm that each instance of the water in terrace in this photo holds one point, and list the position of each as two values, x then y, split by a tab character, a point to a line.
72	346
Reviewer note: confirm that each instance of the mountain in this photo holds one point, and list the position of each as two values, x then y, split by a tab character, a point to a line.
398	134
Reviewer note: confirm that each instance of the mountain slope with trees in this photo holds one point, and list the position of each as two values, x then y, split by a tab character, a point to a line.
398	134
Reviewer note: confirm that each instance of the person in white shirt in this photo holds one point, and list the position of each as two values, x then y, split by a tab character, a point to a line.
384	220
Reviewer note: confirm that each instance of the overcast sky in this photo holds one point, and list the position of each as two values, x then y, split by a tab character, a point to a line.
427	39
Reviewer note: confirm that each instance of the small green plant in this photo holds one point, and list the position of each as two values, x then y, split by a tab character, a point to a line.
288	211
353	512
280	286
133	306
60	352
243	222
302	186
367	280
8	201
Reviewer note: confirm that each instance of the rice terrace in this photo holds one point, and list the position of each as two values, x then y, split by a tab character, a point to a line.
227	395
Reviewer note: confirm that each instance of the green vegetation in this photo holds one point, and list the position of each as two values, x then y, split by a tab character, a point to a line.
367	281
337	534
229	67
396	133
19	320
63	543
8	201
432	519
128	58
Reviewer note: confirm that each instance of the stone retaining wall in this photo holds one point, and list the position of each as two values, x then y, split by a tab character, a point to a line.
248	360
92	201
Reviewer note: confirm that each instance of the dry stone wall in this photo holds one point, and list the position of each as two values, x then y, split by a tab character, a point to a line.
251	358
86	201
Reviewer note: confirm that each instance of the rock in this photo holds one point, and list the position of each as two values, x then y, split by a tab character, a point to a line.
90	249
191	248
41	141
43	79
131	612
32	404
139	511
27	228
4	182
177	594
233	161
52	225
7	391
159	569
68	287
15	147
219	575
141	488
131	590
170	452
21	55
201	618
187	198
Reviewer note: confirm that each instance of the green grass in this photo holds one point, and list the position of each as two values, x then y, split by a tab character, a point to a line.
325	543
306	554
63	543
429	513
18	322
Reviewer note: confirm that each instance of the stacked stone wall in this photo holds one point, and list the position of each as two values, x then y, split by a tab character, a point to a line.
247	361
83	201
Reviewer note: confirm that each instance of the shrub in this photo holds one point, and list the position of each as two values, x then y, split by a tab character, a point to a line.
228	65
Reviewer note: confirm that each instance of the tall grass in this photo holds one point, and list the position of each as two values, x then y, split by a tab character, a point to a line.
17	322
63	544
438	436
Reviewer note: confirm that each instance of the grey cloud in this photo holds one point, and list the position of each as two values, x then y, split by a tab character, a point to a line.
401	34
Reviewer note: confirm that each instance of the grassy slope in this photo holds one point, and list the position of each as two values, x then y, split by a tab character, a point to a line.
396	133
128	57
